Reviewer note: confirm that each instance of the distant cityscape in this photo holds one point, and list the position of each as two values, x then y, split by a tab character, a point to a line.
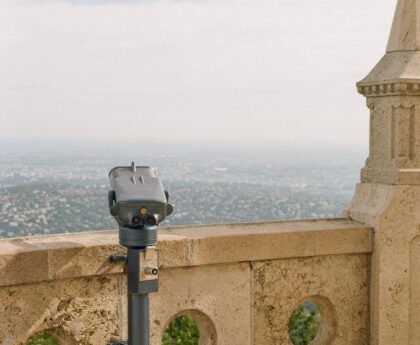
55	187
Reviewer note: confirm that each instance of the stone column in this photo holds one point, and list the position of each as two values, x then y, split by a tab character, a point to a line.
388	197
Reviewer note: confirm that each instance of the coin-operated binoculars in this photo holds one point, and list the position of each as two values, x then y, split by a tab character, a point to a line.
138	202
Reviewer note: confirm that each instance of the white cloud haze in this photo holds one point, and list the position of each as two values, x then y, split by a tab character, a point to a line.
225	69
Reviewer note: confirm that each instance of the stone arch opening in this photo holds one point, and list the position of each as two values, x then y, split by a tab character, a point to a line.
43	338
313	322
54	336
205	326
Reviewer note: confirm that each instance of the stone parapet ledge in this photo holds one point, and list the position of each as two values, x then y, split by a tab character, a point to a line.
43	258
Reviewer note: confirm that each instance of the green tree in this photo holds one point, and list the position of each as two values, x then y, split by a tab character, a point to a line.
43	339
304	324
181	331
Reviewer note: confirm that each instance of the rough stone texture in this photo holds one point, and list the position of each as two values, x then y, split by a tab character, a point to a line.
392	68
389	197
338	284
176	247
393	92
15	259
394	141
414	294
222	292
77	311
405	33
206	273
213	244
218	297
87	254
394	212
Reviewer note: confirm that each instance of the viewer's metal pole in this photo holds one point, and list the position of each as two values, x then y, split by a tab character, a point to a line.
138	303
138	319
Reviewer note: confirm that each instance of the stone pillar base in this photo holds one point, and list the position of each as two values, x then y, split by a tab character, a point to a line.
394	213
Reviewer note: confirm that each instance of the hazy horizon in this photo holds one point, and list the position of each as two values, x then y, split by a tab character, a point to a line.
57	143
61	186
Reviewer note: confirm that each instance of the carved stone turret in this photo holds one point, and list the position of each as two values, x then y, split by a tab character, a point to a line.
392	89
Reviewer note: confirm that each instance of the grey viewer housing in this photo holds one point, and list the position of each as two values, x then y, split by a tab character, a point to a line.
137	197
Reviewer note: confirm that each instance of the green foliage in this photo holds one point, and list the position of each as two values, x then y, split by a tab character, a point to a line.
304	324
42	339
181	331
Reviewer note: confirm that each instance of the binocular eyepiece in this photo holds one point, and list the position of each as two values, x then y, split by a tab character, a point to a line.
139	203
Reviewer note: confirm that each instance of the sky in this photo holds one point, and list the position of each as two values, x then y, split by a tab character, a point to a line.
245	70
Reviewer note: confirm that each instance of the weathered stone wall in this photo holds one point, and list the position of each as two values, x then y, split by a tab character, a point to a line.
338	283
388	199
240	282
394	213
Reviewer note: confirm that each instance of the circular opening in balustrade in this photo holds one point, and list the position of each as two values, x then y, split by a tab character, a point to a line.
43	339
189	327
181	330
313	322
304	323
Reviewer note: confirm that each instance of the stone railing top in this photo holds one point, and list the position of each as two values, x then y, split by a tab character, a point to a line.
42	258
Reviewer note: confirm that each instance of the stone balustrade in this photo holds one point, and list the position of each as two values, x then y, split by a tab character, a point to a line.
240	283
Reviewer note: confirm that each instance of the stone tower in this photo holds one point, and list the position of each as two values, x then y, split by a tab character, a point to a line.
388	197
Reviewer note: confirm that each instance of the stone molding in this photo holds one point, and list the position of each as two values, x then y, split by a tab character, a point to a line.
396	88
45	258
